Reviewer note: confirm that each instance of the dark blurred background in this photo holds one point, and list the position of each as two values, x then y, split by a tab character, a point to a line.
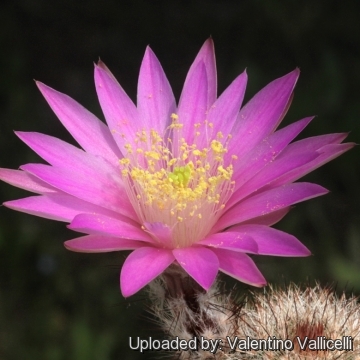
57	305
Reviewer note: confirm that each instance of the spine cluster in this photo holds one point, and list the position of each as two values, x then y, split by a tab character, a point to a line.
311	323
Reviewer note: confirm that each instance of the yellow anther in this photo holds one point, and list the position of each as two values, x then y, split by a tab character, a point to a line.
176	126
124	161
217	147
152	154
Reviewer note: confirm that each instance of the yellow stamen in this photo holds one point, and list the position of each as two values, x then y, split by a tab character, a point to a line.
186	188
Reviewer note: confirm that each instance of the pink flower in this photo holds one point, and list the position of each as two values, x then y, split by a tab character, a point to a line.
198	184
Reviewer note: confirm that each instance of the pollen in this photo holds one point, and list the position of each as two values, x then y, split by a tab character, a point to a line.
184	186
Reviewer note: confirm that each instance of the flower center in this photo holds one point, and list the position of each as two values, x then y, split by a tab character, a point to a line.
180	176
184	186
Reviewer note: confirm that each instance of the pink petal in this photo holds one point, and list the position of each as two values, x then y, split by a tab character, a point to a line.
97	187
200	263
271	241
327	153
315	142
98	244
55	206
263	113
206	55
276	169
156	101
103	225
61	154
232	241
23	180
73	165
269	219
161	232
142	266
267	202
193	102
224	111
263	154
267	150
119	111
92	135
240	266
